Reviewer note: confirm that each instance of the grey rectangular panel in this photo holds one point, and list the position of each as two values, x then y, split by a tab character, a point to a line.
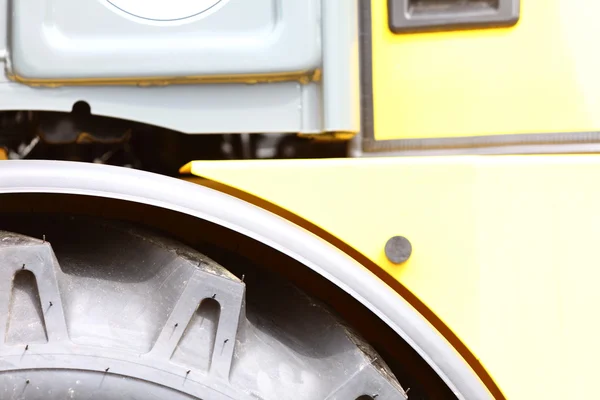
241	65
175	40
340	80
210	108
416	15
3	28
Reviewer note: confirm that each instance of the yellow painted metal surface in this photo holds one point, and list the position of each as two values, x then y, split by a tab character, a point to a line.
505	249
539	76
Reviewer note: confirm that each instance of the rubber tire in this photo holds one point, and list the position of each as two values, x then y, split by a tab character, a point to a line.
101	310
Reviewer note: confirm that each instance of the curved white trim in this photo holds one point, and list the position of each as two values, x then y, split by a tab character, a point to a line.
270	229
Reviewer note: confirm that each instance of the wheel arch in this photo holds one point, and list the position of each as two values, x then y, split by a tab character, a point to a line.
259	224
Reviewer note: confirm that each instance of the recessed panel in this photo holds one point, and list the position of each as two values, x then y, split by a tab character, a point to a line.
134	40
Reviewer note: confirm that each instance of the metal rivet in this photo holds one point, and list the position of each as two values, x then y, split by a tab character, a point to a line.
398	249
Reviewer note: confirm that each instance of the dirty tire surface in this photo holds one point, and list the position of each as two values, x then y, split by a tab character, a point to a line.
104	310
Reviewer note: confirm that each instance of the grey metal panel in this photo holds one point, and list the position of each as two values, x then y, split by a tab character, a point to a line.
404	16
311	110
340	66
263	226
3	27
327	40
92	39
208	108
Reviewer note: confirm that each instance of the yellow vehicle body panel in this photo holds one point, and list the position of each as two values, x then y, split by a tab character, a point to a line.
539	76
504	248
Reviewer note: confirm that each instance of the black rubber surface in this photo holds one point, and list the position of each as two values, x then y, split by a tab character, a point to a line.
102	310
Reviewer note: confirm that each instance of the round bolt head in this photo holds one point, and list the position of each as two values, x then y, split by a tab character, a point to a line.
398	249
